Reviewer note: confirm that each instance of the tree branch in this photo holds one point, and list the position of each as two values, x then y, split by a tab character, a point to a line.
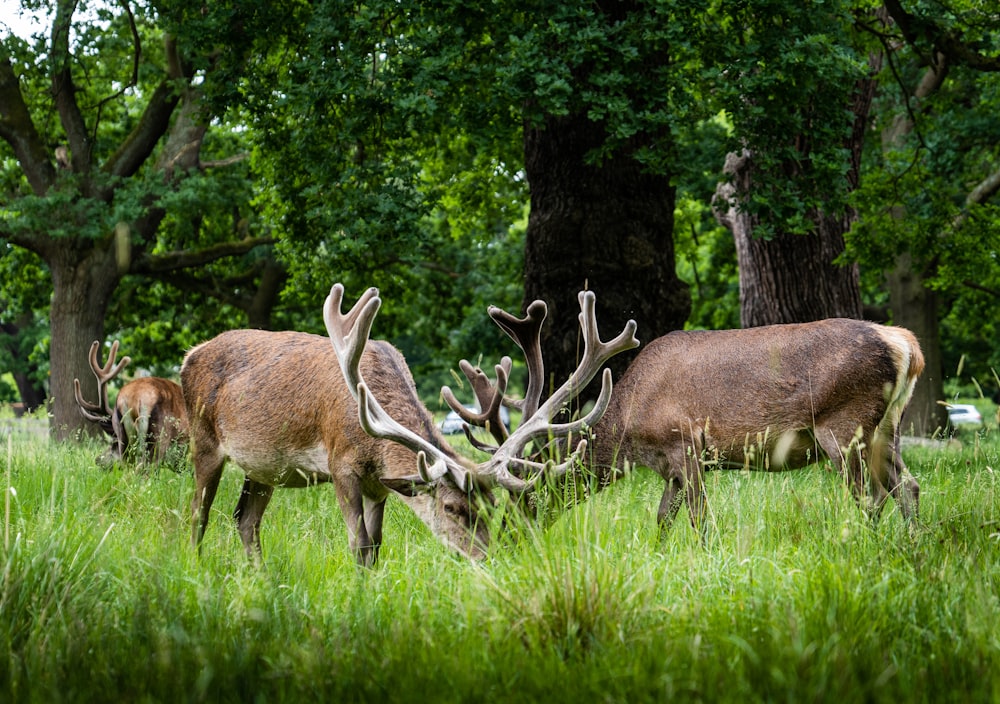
984	190
155	120
18	130
153	124
228	161
172	261
951	44
64	89
980	287
136	55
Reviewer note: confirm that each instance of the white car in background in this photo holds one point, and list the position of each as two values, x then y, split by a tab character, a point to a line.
964	414
453	423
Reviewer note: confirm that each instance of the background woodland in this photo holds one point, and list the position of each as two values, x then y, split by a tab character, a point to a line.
169	170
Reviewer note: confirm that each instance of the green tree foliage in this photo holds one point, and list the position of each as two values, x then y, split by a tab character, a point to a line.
110	168
930	183
791	76
396	134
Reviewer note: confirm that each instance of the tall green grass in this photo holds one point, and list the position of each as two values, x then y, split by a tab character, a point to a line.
792	596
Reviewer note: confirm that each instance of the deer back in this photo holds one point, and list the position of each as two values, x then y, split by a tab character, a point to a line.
277	404
727	389
161	400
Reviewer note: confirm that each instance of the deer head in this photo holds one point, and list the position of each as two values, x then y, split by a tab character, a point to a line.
148	416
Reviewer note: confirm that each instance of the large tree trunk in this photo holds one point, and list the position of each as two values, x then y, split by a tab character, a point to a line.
82	284
607	228
790	278
31	392
915	307
272	280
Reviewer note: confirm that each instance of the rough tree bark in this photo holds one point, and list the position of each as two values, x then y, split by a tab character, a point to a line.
794	278
606	228
915	307
790	278
83	280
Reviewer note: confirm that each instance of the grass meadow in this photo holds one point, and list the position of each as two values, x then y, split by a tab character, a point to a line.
792	597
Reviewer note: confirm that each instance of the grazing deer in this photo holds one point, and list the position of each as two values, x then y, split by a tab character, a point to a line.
148	416
293	410
770	398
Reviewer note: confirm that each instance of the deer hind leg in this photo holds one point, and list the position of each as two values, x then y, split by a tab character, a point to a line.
142	446
159	436
249	511
208	465
889	470
849	454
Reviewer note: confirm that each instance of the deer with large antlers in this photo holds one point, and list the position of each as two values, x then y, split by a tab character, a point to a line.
294	410
771	398
149	415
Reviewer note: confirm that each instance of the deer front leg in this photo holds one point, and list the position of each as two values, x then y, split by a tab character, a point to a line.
374	512
670	504
248	514
352	506
906	490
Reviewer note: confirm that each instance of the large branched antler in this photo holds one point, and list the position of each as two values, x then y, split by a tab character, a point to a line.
101	412
490	397
539	425
526	332
349	334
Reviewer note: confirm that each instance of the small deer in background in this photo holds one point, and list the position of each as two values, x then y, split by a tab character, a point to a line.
296	410
149	414
768	398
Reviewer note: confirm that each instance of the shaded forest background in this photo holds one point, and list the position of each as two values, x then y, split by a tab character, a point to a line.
169	170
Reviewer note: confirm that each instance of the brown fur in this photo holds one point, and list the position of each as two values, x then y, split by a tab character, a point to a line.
154	409
148	417
276	403
771	398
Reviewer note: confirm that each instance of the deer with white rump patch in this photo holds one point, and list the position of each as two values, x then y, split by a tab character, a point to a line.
294	410
771	398
148	416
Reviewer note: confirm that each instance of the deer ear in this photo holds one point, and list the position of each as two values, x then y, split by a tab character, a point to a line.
410	486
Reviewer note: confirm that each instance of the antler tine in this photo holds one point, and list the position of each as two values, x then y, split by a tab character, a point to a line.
88	409
349	332
539	425
377	423
349	335
100	412
489	396
595	354
540	470
110	370
526	332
